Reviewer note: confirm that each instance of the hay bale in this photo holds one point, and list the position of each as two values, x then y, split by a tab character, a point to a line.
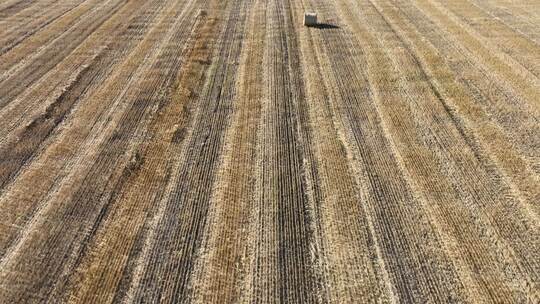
310	19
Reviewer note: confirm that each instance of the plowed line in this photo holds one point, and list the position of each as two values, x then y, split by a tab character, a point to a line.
176	243
152	164
21	26
343	220
52	56
58	157
17	151
93	184
224	261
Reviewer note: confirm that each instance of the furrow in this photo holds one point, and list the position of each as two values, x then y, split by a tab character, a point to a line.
503	68
223	264
398	219
96	279
70	224
286	265
18	56
61	151
350	249
485	197
516	19
19	147
505	128
24	24
207	151
500	37
92	121
9	8
177	234
34	68
525	11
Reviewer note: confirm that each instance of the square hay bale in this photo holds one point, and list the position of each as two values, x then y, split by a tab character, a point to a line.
310	19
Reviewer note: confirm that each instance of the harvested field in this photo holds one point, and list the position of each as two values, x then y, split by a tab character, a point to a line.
205	151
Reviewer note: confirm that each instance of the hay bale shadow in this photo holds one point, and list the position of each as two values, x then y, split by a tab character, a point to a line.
324	26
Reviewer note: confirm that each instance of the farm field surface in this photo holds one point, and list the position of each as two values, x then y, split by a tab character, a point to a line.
218	151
